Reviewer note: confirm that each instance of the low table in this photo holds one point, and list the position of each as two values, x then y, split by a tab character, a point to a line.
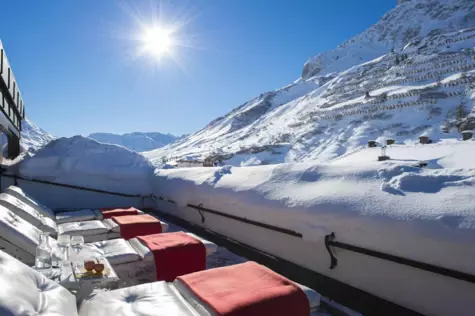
82	286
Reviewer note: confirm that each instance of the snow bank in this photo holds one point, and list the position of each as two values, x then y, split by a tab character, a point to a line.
85	162
376	205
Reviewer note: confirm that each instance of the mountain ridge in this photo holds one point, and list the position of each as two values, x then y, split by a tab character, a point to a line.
33	137
136	141
407	75
427	18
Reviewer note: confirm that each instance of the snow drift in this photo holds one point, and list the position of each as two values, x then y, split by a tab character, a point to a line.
84	162
418	206
376	205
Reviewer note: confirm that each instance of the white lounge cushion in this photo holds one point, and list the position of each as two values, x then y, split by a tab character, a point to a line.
157	299
25	198
24	291
20	233
117	251
164	226
28	213
210	247
98	214
112	235
196	303
151	299
114	227
95	238
75	216
313	296
23	235
82	228
146	254
17	231
143	251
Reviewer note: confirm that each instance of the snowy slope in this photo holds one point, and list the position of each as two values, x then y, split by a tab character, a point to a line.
408	22
34	137
369	92
136	141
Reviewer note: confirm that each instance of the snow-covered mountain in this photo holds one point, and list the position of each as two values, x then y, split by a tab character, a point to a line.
410	74
136	141
410	21
33	137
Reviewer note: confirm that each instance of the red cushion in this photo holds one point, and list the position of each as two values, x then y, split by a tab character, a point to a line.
175	254
132	226
247	289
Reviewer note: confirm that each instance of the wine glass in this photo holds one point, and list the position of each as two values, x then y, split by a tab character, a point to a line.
76	245
63	244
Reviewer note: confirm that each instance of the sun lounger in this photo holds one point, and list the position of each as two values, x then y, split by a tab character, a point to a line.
65	215
62	217
27	292
92	230
133	262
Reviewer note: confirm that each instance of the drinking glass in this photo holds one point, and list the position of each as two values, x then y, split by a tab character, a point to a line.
63	243
76	244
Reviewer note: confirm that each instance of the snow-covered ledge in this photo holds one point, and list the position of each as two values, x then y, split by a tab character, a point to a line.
424	214
83	162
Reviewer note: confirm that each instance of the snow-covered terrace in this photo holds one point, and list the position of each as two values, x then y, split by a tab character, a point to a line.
396	207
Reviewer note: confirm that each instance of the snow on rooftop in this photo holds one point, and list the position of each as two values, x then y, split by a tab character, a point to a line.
85	162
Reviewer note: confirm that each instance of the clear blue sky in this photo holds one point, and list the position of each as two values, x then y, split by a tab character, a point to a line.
76	67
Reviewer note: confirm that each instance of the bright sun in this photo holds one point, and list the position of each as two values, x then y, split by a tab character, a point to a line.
157	41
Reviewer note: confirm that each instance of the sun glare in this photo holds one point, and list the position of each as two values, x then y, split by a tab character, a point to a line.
159	37
157	41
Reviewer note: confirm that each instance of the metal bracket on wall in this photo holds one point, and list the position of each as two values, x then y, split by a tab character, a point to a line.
333	260
455	274
203	219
